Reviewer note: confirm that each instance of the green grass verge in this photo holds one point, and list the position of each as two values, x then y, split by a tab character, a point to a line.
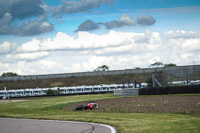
124	122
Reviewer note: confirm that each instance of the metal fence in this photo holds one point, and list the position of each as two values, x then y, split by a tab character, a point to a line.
176	73
177	77
163	76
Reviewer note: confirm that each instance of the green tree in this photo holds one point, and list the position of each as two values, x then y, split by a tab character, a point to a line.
9	74
169	65
101	68
156	64
52	92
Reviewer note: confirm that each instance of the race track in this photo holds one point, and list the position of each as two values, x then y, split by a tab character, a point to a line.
9	125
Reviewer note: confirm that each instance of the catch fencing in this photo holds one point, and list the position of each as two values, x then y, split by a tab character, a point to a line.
162	76
81	74
178	76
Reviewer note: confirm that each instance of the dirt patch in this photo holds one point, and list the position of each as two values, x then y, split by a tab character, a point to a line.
147	104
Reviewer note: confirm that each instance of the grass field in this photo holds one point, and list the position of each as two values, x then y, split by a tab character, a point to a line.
51	108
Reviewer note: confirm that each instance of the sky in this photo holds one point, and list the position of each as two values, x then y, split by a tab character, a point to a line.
65	36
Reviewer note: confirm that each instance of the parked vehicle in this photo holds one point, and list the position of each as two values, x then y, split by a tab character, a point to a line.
28	92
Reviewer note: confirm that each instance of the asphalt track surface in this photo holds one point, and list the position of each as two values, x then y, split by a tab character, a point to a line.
9	125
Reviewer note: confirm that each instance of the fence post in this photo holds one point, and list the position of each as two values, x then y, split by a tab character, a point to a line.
187	76
153	80
171	81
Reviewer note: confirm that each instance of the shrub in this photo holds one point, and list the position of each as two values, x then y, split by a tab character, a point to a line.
52	92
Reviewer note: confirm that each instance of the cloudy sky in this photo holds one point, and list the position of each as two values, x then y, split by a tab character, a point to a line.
63	36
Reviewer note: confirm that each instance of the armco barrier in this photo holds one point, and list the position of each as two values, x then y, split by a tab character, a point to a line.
177	71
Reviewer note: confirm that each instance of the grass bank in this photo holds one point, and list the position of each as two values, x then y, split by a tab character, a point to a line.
124	122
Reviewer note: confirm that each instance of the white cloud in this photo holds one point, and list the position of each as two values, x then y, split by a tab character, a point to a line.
135	43
181	40
27	56
117	62
118	50
182	34
31	46
6	47
109	43
32	68
185	58
184	46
